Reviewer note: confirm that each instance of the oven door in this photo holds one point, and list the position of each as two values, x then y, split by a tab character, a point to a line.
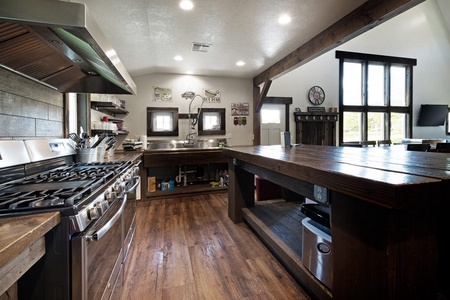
97	255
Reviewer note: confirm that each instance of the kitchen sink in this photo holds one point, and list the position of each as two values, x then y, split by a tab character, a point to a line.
184	144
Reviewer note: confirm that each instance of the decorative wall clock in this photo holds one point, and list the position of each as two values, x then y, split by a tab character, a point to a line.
316	95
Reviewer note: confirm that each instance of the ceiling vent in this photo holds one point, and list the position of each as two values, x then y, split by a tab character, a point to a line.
200	47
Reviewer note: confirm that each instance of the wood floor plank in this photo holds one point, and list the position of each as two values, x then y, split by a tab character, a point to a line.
188	248
274	280
177	266
183	292
150	225
144	278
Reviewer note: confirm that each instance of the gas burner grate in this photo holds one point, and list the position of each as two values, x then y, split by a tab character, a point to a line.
60	188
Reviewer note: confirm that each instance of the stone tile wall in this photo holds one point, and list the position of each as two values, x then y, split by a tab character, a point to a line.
28	109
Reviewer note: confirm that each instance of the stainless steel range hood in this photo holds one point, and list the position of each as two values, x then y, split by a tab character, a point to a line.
60	45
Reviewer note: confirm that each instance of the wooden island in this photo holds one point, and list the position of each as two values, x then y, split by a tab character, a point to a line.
388	214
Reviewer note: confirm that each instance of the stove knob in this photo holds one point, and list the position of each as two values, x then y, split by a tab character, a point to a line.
104	205
110	195
127	177
118	187
93	213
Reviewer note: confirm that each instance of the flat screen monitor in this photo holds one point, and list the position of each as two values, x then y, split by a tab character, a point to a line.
432	115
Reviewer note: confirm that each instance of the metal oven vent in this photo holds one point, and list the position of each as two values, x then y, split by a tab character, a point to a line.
200	47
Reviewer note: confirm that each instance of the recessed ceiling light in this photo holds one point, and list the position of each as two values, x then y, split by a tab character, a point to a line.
240	63
189	72
186	5
178	58
284	19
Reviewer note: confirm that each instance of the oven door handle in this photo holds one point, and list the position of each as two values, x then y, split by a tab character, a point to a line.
138	180
102	231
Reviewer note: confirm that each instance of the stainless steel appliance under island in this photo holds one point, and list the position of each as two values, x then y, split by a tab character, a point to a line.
387	215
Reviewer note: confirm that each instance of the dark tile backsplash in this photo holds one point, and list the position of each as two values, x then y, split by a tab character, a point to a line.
29	109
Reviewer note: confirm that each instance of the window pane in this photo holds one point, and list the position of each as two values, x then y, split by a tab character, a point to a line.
211	121
375	126
376	85
352	83
398	127
398	86
352	127
270	116
162	121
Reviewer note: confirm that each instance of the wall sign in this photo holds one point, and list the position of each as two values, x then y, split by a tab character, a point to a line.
188	95
240	121
240	109
316	109
211	95
162	94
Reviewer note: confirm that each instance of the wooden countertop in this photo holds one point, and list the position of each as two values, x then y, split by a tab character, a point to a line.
22	244
17	233
388	214
387	176
120	155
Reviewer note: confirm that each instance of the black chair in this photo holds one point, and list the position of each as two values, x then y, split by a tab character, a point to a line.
418	147
360	144
384	142
351	144
443	147
368	143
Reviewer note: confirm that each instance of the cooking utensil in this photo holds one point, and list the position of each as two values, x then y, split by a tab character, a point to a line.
74	137
109	139
100	139
110	144
85	140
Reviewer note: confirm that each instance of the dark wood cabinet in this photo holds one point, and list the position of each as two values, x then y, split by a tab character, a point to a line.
315	128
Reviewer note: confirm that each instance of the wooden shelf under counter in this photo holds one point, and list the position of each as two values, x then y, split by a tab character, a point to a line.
191	189
155	159
278	223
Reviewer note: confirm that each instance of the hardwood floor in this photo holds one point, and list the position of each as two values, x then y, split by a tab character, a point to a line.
188	248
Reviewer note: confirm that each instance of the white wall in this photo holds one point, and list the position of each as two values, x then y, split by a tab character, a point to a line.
419	33
231	89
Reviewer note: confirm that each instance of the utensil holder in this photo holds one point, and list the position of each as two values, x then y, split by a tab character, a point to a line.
85	155
101	150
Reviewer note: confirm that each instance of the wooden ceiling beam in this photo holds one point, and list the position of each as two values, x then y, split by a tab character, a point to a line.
260	100
362	19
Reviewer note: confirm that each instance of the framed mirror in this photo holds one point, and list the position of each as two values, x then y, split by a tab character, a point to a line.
211	121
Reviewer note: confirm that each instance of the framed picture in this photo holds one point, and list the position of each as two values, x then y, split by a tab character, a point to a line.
162	94
212	96
240	108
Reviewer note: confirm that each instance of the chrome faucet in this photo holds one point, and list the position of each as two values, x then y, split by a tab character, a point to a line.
191	130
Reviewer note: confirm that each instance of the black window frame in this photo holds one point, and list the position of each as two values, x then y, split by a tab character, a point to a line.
150	129
372	59
221	131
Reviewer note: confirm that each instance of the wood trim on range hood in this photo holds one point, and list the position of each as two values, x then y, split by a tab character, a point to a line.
60	45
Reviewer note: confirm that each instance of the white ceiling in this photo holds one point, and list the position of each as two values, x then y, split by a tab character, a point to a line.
148	34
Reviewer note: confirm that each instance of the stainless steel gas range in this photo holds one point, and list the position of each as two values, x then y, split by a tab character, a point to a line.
86	253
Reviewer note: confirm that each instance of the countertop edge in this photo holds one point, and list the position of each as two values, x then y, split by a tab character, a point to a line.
30	229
